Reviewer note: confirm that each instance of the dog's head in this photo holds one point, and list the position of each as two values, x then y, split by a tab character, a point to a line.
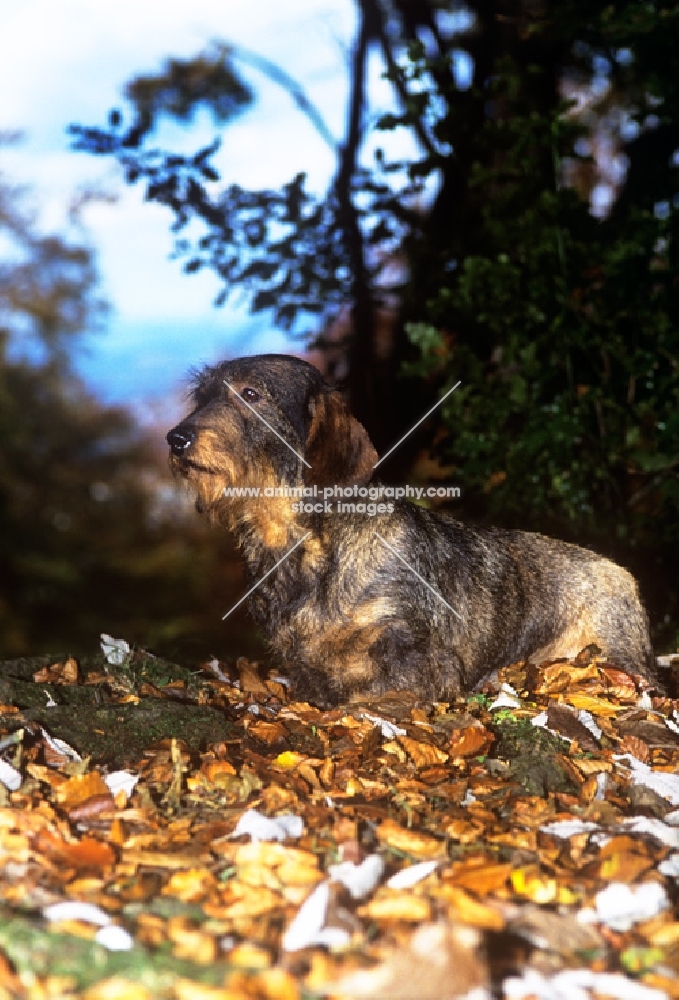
263	421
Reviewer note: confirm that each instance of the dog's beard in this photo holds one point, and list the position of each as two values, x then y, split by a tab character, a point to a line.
208	485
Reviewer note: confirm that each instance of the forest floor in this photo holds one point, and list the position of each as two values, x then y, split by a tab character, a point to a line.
198	835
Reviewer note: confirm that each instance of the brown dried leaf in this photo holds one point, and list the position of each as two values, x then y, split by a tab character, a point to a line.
564	720
471	742
623	866
635	746
395	904
618	684
589	767
422	754
80	788
250	681
327	772
560	933
463	907
419	845
92	809
58	673
268	732
82	855
652	733
465	831
479	876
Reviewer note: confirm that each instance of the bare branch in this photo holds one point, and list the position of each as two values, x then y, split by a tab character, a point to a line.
284	80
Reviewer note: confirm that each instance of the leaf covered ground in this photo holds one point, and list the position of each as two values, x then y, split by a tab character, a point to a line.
211	839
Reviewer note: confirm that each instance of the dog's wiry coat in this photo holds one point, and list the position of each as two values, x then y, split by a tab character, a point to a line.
343	612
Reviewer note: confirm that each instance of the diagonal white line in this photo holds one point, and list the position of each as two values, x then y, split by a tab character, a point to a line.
250	591
395	446
266	422
414	571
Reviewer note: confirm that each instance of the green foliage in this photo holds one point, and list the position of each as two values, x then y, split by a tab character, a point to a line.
562	327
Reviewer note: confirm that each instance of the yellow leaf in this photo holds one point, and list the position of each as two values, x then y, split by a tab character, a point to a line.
391	904
249	901
247	955
289	759
536	887
117	988
80	788
419	845
277	984
665	936
354	786
469	911
597	706
191	942
464	831
190	886
187	989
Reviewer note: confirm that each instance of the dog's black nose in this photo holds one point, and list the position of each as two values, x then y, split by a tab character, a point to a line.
179	440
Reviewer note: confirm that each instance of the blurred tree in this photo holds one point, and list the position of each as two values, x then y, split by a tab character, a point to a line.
92	537
536	241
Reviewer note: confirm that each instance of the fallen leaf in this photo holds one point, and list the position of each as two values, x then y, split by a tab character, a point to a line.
479	876
81	855
80	788
419	845
391	904
422	754
250	681
117	988
470	742
597	706
58	673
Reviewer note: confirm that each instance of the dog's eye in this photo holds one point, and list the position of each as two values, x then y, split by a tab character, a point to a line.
250	395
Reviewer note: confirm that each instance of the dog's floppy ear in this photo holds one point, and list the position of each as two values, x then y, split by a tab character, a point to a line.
338	448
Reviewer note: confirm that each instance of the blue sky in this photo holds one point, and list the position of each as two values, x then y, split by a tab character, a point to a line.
68	61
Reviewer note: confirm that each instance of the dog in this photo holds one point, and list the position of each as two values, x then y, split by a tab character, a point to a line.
399	597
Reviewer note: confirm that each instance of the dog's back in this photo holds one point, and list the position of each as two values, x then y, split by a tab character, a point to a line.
542	599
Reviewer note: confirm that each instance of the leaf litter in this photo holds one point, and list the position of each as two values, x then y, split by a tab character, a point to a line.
522	841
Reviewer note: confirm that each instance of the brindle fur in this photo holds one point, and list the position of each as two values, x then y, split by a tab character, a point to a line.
342	612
